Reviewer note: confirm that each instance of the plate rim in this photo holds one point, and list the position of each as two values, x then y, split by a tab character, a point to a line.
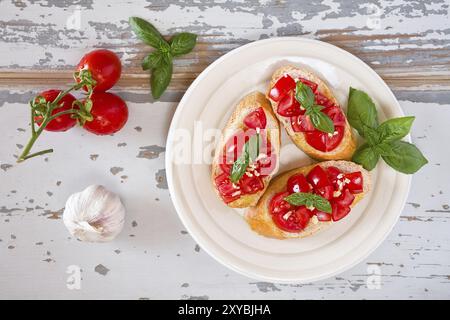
170	179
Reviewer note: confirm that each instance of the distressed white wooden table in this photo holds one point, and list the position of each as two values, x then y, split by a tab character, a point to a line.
406	42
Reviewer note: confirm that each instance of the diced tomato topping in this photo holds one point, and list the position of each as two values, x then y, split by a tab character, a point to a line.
226	189
279	205
281	88
322	216
289	106
318	177
324	141
310	84
345	199
333	173
322	182
335	113
251	184
321	100
298	183
356	182
325	192
302	123
294	220
256	119
266	165
339	212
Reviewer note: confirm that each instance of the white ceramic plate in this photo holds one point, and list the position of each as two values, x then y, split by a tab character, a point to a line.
221	231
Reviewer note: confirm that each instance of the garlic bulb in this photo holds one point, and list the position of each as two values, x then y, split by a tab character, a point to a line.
94	214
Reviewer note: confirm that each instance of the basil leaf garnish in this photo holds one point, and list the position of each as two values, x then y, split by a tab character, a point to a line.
322	122
395	129
160	79
249	154
145	31
361	111
366	156
304	95
309	200
182	43
405	157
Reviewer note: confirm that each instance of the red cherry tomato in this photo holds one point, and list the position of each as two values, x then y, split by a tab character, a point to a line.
339	212
63	122
345	199
318	177
322	216
322	141
289	106
356	182
251	185
325	192
104	66
302	123
336	115
278	205
310	84
110	113
281	87
256	119
293	221
298	183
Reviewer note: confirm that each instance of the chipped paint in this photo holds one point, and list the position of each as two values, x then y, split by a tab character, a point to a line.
101	269
150	152
115	170
161	180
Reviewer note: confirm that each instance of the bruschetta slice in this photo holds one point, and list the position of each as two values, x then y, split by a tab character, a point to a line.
284	210
339	144
248	153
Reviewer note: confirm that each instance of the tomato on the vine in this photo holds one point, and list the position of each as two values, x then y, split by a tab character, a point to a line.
105	68
63	122
109	112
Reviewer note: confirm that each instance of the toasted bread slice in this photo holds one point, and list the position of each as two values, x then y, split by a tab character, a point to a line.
260	220
248	104
347	146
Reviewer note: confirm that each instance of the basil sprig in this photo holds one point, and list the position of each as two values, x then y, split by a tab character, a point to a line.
249	154
159	62
320	120
382	140
309	200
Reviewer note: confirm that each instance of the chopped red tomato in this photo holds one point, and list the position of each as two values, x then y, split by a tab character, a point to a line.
298	183
345	199
294	220
256	119
281	88
289	106
302	123
339	212
356	182
278	204
318	177
251	184
324	141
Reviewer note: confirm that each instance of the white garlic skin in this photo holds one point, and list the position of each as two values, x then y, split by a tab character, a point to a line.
94	214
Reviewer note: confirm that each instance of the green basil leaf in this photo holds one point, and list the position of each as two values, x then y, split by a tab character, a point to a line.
405	157
146	32
249	154
304	95
361	111
366	156
322	122
182	43
160	79
383	149
395	129
253	147
152	60
308	200
239	166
